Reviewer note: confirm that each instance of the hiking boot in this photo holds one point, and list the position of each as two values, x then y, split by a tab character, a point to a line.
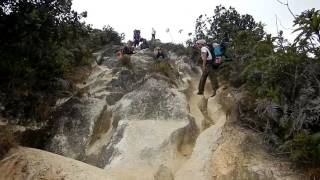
200	93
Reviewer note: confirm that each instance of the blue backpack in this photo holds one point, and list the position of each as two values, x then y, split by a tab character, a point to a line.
217	51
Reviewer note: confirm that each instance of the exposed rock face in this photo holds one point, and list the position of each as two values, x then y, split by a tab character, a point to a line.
139	125
199	164
153	100
155	115
226	151
75	122
27	163
163	173
129	121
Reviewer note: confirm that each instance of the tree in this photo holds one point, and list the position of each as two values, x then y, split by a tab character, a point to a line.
309	31
35	36
225	24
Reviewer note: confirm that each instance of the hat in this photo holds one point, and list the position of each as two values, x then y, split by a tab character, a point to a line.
201	41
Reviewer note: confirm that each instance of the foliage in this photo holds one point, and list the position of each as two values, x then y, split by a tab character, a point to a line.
283	79
308	39
42	41
6	141
179	49
33	37
163	67
289	79
126	61
102	37
225	25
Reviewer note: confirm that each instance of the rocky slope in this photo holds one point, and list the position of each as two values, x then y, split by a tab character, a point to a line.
134	123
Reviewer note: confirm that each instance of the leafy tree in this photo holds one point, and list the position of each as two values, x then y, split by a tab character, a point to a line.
225	25
308	39
34	37
282	79
42	41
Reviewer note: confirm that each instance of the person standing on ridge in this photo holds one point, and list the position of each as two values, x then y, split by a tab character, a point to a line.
153	34
136	37
207	68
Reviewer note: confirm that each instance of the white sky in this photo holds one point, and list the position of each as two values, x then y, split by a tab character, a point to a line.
126	15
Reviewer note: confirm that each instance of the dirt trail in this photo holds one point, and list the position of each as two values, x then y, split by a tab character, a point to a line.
198	103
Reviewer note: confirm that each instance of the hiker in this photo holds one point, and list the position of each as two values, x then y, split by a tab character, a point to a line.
158	52
119	55
153	34
144	44
207	68
136	37
127	50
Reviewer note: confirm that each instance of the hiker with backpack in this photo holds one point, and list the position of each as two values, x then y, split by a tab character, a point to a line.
136	37
207	68
144	44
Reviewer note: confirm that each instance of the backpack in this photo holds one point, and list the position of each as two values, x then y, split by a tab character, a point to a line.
211	49
136	34
223	48
216	55
217	51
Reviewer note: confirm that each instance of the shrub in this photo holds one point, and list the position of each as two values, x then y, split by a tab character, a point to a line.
6	142
42	42
283	80
163	67
126	61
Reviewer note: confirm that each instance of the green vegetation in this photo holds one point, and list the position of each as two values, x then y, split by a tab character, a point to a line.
126	61
163	67
283	79
6	141
42	42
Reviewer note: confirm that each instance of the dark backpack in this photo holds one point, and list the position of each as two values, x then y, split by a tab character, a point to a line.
223	48
211	49
136	35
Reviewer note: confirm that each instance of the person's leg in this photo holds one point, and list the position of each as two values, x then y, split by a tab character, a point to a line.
162	55
213	79
202	81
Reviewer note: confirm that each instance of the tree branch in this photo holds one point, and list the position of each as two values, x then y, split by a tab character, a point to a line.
287	4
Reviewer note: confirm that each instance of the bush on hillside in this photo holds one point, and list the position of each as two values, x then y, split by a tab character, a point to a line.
6	142
126	61
282	79
42	42
162	67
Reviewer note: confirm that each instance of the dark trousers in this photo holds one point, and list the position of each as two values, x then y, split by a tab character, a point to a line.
136	42
160	55
212	76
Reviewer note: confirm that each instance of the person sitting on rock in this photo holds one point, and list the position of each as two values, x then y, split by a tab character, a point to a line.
158	51
128	49
119	55
144	44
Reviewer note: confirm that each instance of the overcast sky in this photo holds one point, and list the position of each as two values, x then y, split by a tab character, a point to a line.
126	15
